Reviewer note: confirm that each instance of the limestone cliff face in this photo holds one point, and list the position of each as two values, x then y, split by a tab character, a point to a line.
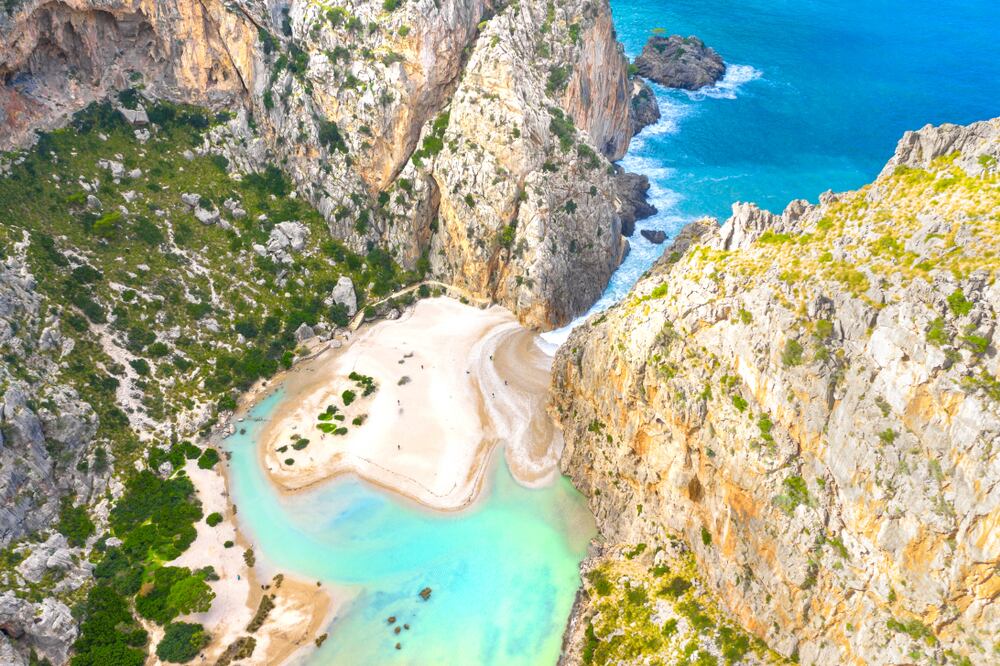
478	135
59	56
423	127
812	401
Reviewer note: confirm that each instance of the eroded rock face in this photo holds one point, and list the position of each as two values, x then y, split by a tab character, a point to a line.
45	431
60	56
435	129
632	202
812	401
680	62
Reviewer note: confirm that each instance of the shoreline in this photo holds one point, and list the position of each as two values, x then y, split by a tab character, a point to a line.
301	610
485	352
497	375
429	431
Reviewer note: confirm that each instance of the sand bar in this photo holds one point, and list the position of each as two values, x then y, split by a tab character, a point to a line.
453	381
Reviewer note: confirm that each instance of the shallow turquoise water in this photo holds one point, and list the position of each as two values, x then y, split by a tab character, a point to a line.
503	573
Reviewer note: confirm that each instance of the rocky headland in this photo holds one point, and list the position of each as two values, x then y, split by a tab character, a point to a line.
680	62
808	406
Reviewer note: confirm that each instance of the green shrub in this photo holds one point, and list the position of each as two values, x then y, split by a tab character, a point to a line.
174	591
796	493
506	236
329	135
182	641
208	459
599	579
558	76
936	334
888	436
109	634
792	355
74	523
561	125
978	344
959	304
156	516
213	519
141	366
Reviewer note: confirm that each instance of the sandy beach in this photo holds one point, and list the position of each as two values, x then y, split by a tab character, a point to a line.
302	610
448	383
452	382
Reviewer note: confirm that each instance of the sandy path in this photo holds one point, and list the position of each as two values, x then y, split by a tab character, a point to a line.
453	381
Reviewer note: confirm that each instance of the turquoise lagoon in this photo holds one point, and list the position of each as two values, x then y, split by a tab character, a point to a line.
503	572
817	95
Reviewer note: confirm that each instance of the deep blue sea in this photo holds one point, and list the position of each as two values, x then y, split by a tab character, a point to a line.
816	96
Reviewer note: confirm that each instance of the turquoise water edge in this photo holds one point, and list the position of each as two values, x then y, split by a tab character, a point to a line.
503	573
816	96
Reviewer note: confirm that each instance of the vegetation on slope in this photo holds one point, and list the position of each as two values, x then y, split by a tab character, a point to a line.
164	320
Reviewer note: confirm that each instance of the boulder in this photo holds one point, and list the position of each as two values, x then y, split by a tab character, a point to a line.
206	217
654	235
295	232
136	117
190	199
680	62
304	332
343	293
116	168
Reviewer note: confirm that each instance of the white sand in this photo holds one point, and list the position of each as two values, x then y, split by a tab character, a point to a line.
429	437
301	609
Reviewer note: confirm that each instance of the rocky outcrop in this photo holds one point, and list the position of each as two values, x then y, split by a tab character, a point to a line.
680	62
632	202
46	431
645	109
47	627
811	400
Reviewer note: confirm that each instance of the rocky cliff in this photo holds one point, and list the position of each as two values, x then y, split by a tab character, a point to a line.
811	401
466	135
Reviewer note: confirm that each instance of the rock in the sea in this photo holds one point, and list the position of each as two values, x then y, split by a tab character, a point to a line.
680	62
645	110
425	593
654	235
631	189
